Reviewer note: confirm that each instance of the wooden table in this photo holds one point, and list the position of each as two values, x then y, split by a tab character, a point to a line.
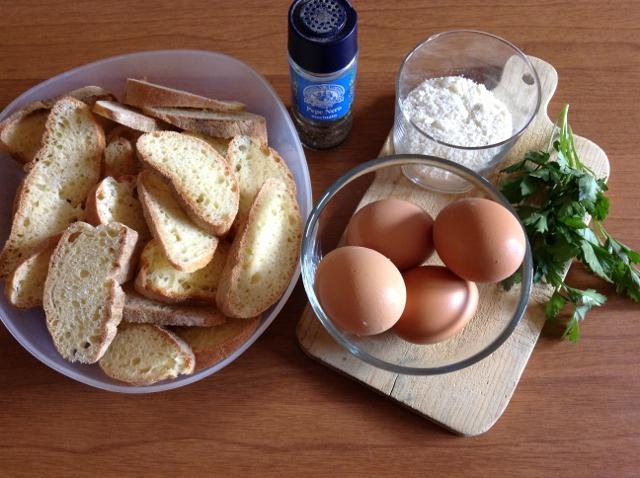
275	412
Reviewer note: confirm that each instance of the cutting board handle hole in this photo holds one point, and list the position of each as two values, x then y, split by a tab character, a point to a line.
528	79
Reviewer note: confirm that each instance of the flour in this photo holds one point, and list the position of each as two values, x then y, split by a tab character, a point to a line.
456	111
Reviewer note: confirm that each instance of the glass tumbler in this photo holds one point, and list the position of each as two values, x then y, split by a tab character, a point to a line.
486	59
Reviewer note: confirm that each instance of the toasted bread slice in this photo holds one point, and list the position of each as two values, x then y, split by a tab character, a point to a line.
120	159
126	116
206	186
25	285
53	193
142	93
157	279
21	133
122	131
87	94
116	200
221	145
82	297
142	354
141	310
186	246
213	123
254	163
213	344
263	255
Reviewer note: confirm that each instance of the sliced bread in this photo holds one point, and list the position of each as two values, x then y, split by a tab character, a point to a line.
53	193
87	94
264	255
221	145
142	93
116	200
142	354
186	246
25	285
157	279
82	299
254	163
120	159
122	131
126	116
139	309
213	123
213	344
21	133
205	184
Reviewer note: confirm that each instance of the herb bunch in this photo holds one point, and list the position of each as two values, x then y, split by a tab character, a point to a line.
554	193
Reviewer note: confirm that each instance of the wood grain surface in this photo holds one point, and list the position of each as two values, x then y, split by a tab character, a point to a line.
274	412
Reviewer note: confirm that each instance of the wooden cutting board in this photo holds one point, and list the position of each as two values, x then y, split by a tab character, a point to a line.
469	401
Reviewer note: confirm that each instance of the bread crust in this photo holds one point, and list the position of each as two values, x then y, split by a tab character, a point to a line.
11	285
87	94
10	254
144	287
92	214
279	162
230	277
115	301
37	107
20	113
166	336
252	125
189	204
153	222
125	164
92	210
142	93
122	131
208	356
139	309
126	117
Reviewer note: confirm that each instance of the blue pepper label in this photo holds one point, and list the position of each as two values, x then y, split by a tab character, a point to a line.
321	100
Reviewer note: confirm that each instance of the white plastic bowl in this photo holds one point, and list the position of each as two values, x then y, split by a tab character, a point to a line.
206	73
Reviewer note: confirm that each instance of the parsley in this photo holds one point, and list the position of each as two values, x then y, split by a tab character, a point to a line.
553	192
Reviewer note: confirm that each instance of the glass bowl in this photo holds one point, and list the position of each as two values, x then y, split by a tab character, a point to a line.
484	58
499	311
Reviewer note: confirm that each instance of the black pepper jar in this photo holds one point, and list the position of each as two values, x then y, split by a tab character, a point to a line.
323	55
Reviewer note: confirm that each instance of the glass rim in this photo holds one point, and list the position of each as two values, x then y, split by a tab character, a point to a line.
518	52
308	240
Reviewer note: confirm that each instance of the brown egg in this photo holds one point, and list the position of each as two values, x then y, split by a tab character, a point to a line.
478	239
439	305
360	290
395	228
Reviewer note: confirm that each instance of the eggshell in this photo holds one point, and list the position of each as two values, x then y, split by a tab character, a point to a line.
398	229
439	304
361	291
479	240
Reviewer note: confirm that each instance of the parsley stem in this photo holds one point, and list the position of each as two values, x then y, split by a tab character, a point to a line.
554	192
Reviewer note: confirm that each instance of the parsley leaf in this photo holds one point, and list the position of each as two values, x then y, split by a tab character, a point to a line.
512	280
553	193
588	187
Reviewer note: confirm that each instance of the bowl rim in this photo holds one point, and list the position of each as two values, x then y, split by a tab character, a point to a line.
518	52
182	380
308	249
